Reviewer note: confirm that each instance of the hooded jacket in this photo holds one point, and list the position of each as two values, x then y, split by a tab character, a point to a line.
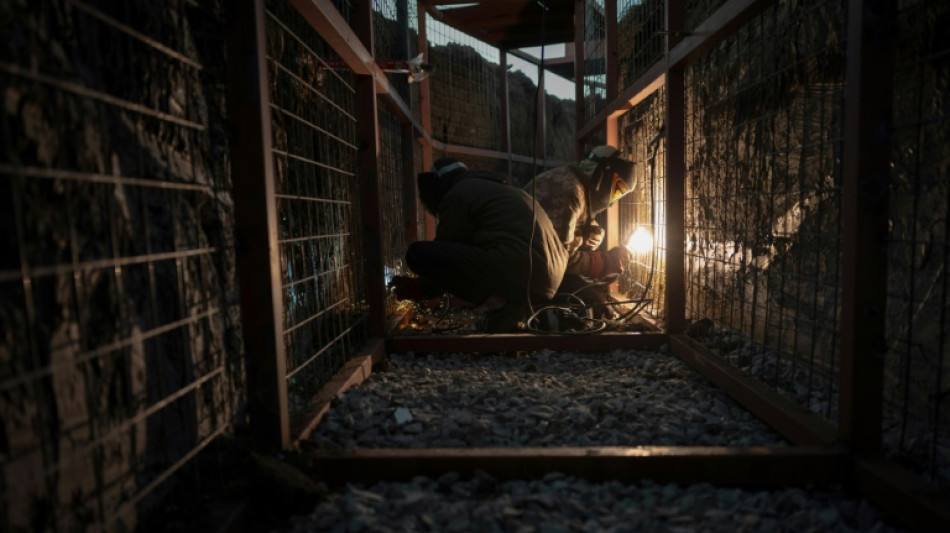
478	208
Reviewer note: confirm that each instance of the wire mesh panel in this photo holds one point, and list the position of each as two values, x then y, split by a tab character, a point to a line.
642	218
595	66
640	38
119	330
395	196
313	114
466	101
698	11
763	150
917	365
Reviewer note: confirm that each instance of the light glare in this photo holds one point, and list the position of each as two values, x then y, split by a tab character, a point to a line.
641	241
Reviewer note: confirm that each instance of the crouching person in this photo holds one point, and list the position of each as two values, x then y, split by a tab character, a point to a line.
572	196
493	246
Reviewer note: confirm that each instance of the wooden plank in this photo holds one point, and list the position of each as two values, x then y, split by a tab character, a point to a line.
255	226
525	342
795	422
902	494
752	466
493	154
356	370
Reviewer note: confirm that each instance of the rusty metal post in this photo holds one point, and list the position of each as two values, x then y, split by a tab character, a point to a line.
864	236
368	172
542	124
675	179
255	213
580	21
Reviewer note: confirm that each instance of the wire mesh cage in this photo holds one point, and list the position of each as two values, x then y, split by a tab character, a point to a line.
595	65
640	36
398	198
120	353
917	366
642	217
466	103
763	151
696	11
313	120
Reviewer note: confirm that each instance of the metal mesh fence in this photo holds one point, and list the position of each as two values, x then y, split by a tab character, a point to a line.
917	370
640	38
641	212
698	11
119	329
763	150
313	114
595	66
466	100
396	195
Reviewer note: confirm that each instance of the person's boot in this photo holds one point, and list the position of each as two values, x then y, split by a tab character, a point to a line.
505	319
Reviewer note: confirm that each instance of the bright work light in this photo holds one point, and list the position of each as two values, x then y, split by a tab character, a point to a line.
641	241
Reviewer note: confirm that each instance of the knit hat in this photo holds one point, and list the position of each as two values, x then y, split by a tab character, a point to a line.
448	167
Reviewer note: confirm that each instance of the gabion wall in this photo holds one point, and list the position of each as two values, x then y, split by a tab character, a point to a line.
120	342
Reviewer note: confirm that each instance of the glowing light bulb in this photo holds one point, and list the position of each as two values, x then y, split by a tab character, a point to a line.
641	241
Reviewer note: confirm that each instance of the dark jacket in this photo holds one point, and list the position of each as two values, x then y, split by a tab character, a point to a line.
476	209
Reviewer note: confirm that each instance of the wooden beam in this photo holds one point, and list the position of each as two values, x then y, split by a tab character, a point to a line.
356	370
795	422
675	178
751	466
371	190
255	226
515	342
864	224
902	494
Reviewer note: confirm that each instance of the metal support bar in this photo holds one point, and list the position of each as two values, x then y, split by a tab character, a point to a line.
794	422
255	213
675	181
579	46
370	185
425	115
871	40
752	466
525	342
503	97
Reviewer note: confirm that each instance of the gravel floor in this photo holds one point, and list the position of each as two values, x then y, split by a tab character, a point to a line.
625	398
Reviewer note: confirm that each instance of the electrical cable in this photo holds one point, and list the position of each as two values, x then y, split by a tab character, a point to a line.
534	165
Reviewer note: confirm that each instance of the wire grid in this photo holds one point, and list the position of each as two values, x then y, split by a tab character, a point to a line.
313	114
595	66
393	202
697	11
644	207
395	27
763	150
640	38
465	88
118	302
917	367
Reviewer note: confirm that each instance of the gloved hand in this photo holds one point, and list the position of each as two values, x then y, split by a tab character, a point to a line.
593	237
615	260
407	288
